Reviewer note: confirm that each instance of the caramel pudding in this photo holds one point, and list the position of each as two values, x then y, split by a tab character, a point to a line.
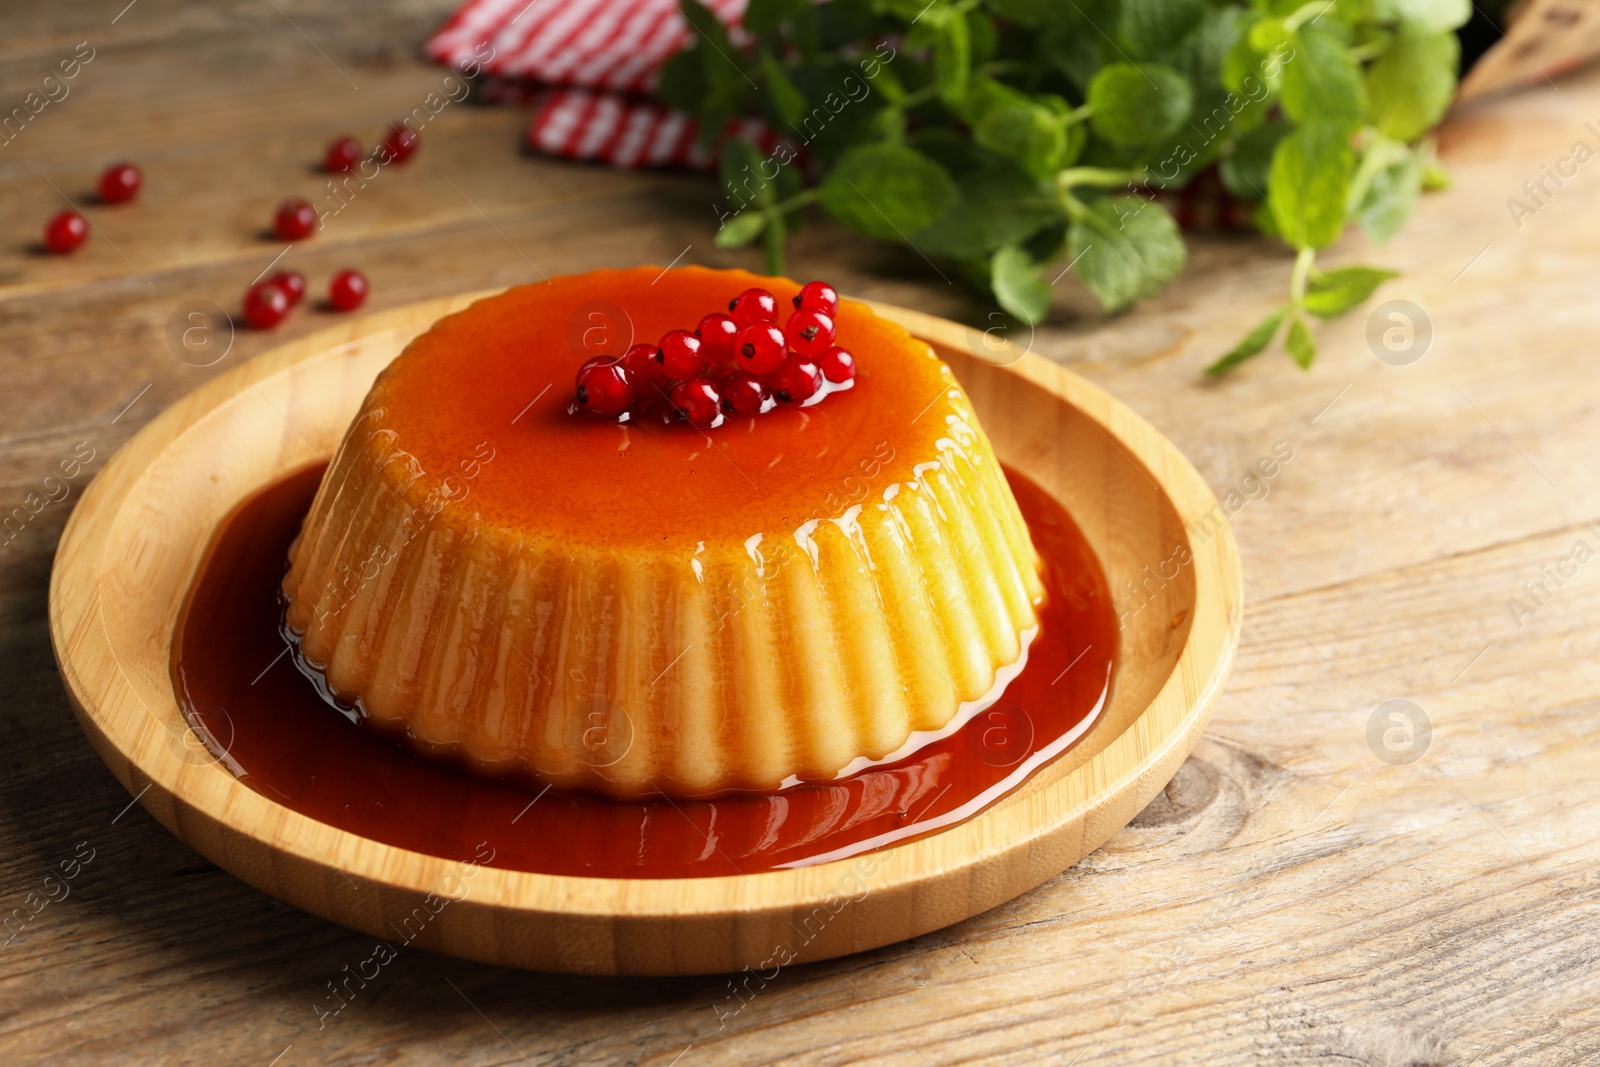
632	608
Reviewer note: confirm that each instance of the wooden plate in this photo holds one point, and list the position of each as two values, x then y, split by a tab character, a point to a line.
132	547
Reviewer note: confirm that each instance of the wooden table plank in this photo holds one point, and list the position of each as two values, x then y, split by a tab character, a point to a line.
1291	900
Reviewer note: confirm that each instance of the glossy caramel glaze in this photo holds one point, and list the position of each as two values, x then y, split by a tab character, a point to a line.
645	607
269	724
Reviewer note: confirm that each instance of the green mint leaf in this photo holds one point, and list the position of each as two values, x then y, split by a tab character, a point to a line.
1252	344
1322	83
952	58
1246	172
741	229
743	182
1426	16
1033	135
1390	199
1029	13
985	38
1300	343
886	191
1017	285
998	206
1412	83
682	83
1310	184
1136	104
1126	248
788	102
1337	291
1151	27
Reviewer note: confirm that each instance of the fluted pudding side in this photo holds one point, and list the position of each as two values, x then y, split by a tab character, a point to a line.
866	570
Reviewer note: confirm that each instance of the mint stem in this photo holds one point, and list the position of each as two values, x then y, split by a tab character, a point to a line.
1297	280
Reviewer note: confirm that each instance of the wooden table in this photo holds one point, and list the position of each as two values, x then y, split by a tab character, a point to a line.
1292	899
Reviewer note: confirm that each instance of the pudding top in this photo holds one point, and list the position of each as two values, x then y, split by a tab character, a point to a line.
480	404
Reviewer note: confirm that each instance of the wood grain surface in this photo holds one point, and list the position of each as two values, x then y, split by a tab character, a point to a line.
1292	899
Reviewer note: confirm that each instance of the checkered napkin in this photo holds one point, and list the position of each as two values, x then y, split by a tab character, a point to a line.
587	67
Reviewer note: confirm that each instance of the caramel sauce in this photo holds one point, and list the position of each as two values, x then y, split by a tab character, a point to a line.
268	723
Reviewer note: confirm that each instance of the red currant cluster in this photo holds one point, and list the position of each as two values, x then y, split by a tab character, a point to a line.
737	364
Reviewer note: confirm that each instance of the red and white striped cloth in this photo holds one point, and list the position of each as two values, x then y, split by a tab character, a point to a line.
585	66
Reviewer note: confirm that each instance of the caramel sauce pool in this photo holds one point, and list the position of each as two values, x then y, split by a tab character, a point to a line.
268	723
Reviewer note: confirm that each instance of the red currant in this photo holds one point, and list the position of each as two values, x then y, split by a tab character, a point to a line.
697	402
809	333
759	348
753	306
348	290
742	394
837	365
604	387
717	332
680	355
295	219
399	146
65	232
648	378
293	284
265	305
818	296
120	182
796	381
342	155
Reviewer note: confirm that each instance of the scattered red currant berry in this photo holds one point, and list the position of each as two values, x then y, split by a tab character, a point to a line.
796	381
809	333
348	290
818	296
697	402
399	146
759	348
680	355
604	387
120	182
265	305
342	156
753	306
717	332
295	219
65	232
742	394
837	365
293	284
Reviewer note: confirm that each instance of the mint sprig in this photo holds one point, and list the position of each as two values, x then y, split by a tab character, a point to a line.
1013	140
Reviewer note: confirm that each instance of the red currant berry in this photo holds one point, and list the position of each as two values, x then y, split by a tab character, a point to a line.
648	378
697	402
752	306
399	146
742	394
818	296
342	156
717	332
680	355
293	284
809	333
295	219
348	290
265	305
796	381
120	182
759	348
837	365
604	387
65	232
